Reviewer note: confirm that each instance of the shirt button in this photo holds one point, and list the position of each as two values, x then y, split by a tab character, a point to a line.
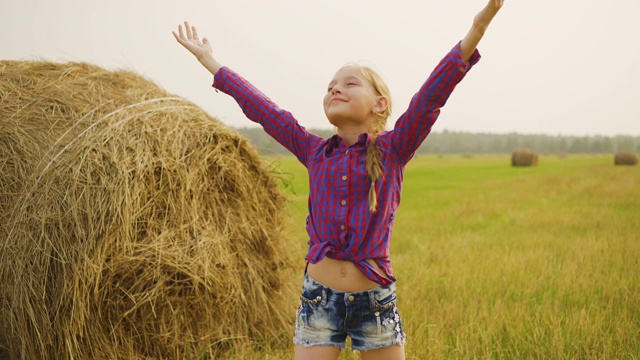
344	177
342	227
346	152
351	298
343	202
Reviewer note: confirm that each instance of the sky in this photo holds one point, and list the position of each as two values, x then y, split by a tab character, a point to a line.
569	67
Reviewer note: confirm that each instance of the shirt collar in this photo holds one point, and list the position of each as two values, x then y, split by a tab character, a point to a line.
335	140
364	139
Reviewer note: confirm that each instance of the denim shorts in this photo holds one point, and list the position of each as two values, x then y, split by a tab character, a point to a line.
327	316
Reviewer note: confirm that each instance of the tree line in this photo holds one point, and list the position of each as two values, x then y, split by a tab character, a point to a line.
459	142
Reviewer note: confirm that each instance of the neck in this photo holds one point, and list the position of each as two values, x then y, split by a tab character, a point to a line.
350	133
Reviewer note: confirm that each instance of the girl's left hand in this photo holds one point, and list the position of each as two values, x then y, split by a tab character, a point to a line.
496	4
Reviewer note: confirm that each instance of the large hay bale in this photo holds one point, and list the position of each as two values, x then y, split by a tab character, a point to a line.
133	224
625	158
524	157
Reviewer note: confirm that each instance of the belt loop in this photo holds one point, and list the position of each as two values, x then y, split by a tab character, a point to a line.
372	299
324	296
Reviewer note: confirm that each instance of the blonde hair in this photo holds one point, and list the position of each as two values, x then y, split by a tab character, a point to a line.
373	162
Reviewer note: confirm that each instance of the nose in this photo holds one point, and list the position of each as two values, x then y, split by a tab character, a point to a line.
336	90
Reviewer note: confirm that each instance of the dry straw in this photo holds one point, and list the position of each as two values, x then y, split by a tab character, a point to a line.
524	157
625	158
132	224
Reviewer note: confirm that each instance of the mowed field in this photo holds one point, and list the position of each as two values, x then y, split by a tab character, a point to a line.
496	262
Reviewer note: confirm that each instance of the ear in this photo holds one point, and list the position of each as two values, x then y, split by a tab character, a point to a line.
380	105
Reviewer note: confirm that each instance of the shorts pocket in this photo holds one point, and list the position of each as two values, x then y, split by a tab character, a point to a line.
311	296
381	315
378	322
385	300
310	302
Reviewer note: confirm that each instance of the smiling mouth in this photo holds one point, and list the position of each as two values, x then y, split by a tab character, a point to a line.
336	100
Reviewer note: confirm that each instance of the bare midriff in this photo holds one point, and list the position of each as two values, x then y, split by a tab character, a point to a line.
342	275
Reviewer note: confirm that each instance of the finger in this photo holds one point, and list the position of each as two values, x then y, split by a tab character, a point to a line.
195	33
188	28
205	41
181	33
177	37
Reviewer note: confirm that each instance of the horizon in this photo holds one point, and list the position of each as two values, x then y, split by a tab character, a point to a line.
257	126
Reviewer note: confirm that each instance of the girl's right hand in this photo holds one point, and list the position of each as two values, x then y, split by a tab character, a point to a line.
201	49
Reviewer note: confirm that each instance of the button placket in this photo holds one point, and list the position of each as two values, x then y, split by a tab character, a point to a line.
342	176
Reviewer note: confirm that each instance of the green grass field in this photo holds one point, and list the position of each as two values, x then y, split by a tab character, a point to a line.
496	262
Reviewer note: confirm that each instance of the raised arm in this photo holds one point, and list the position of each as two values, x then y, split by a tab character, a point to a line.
480	24
414	125
278	123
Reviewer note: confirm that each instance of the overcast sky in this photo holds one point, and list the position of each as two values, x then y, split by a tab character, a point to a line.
567	67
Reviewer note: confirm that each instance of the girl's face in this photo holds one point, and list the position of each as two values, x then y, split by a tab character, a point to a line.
350	99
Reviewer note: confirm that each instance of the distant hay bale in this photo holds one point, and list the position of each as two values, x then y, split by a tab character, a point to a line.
133	224
524	157
625	158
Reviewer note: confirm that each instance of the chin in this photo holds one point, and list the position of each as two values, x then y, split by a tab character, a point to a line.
335	121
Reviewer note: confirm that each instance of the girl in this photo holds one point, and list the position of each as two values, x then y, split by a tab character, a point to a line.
355	183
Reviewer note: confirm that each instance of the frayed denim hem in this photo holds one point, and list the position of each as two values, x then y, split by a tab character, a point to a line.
378	346
309	344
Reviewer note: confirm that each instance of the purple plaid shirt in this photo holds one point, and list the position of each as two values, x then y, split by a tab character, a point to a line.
340	224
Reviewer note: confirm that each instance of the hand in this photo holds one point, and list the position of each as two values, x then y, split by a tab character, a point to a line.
200	49
192	43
